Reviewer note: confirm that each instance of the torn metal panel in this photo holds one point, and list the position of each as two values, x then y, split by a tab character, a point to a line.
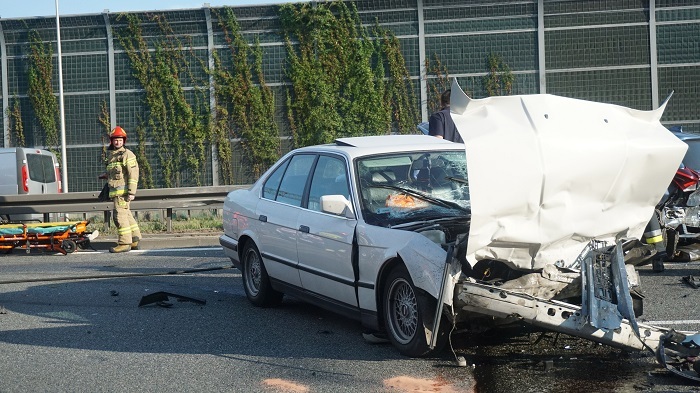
605	298
582	170
550	283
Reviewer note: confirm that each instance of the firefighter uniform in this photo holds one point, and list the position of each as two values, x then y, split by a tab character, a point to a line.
123	178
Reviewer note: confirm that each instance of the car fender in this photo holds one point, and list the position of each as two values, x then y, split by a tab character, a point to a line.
378	247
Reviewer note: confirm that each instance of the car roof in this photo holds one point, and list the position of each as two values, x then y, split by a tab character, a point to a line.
685	135
370	145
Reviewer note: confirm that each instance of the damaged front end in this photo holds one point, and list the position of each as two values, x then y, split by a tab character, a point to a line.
559	251
595	302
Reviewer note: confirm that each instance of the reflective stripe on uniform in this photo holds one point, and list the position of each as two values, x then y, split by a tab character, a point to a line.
655	239
117	191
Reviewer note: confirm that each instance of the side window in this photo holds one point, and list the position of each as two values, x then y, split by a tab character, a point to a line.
272	184
330	178
291	188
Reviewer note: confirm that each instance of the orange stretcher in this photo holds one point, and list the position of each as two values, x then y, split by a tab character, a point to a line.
63	237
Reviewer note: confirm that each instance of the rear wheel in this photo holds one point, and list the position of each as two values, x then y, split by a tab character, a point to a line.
403	316
256	282
68	246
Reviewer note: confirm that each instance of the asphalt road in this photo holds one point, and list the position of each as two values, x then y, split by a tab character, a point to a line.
91	335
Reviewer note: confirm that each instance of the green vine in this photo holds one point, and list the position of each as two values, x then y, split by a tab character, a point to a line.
16	126
337	75
180	131
40	92
400	91
104	119
244	109
499	80
145	170
438	85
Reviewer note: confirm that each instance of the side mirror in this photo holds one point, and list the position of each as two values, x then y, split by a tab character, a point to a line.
338	205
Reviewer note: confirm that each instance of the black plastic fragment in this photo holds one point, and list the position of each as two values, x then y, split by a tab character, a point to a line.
161	297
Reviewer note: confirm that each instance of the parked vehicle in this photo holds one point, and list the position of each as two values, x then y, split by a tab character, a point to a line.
416	236
679	209
28	171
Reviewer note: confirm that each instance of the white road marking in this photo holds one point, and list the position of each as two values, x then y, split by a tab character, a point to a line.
179	249
153	250
680	322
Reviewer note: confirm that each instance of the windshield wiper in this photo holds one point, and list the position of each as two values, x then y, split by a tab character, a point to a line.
425	197
426	222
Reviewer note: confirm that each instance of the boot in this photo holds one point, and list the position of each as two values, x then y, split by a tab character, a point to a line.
120	248
135	242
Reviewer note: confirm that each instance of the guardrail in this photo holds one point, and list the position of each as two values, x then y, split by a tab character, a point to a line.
168	199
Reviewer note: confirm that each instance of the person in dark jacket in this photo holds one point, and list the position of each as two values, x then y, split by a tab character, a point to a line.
440	124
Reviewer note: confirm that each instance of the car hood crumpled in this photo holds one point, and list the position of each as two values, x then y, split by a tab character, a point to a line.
547	174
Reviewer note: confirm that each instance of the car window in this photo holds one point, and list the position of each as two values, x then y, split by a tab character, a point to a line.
330	178
397	188
41	168
291	188
272	184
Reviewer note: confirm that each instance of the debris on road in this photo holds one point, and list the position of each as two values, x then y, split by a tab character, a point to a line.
161	299
692	281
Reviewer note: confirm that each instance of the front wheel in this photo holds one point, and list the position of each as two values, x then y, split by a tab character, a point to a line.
403	315
68	246
256	282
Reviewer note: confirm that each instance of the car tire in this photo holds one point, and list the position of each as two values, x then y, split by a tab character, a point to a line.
403	316
256	282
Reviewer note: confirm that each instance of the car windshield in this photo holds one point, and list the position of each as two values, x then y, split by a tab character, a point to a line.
400	188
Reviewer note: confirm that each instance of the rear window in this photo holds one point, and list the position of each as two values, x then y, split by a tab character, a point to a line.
41	168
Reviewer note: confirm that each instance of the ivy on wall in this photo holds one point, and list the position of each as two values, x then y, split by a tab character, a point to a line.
44	102
106	123
438	84
179	130
16	126
337	75
499	80
400	94
244	104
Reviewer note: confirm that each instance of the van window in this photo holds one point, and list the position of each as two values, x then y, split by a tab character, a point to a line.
41	168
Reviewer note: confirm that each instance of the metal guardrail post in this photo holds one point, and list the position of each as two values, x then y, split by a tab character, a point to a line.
169	220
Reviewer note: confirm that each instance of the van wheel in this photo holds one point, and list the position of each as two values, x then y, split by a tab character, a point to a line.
68	246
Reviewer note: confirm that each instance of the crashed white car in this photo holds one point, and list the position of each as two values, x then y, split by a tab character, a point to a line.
534	218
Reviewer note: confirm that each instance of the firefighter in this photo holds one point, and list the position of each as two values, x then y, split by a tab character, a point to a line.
653	236
122	177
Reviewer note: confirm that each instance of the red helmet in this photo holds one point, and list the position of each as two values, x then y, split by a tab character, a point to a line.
118	132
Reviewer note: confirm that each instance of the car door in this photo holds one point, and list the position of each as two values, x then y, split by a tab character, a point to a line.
277	213
325	241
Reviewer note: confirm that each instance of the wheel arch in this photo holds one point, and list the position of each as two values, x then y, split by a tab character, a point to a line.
243	241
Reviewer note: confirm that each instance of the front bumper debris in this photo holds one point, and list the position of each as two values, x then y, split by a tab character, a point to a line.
605	315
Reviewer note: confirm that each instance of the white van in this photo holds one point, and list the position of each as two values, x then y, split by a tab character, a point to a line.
28	171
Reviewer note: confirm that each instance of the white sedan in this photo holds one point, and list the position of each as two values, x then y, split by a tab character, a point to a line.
394	231
359	226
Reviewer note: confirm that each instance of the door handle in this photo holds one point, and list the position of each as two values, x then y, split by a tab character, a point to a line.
304	229
262	218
